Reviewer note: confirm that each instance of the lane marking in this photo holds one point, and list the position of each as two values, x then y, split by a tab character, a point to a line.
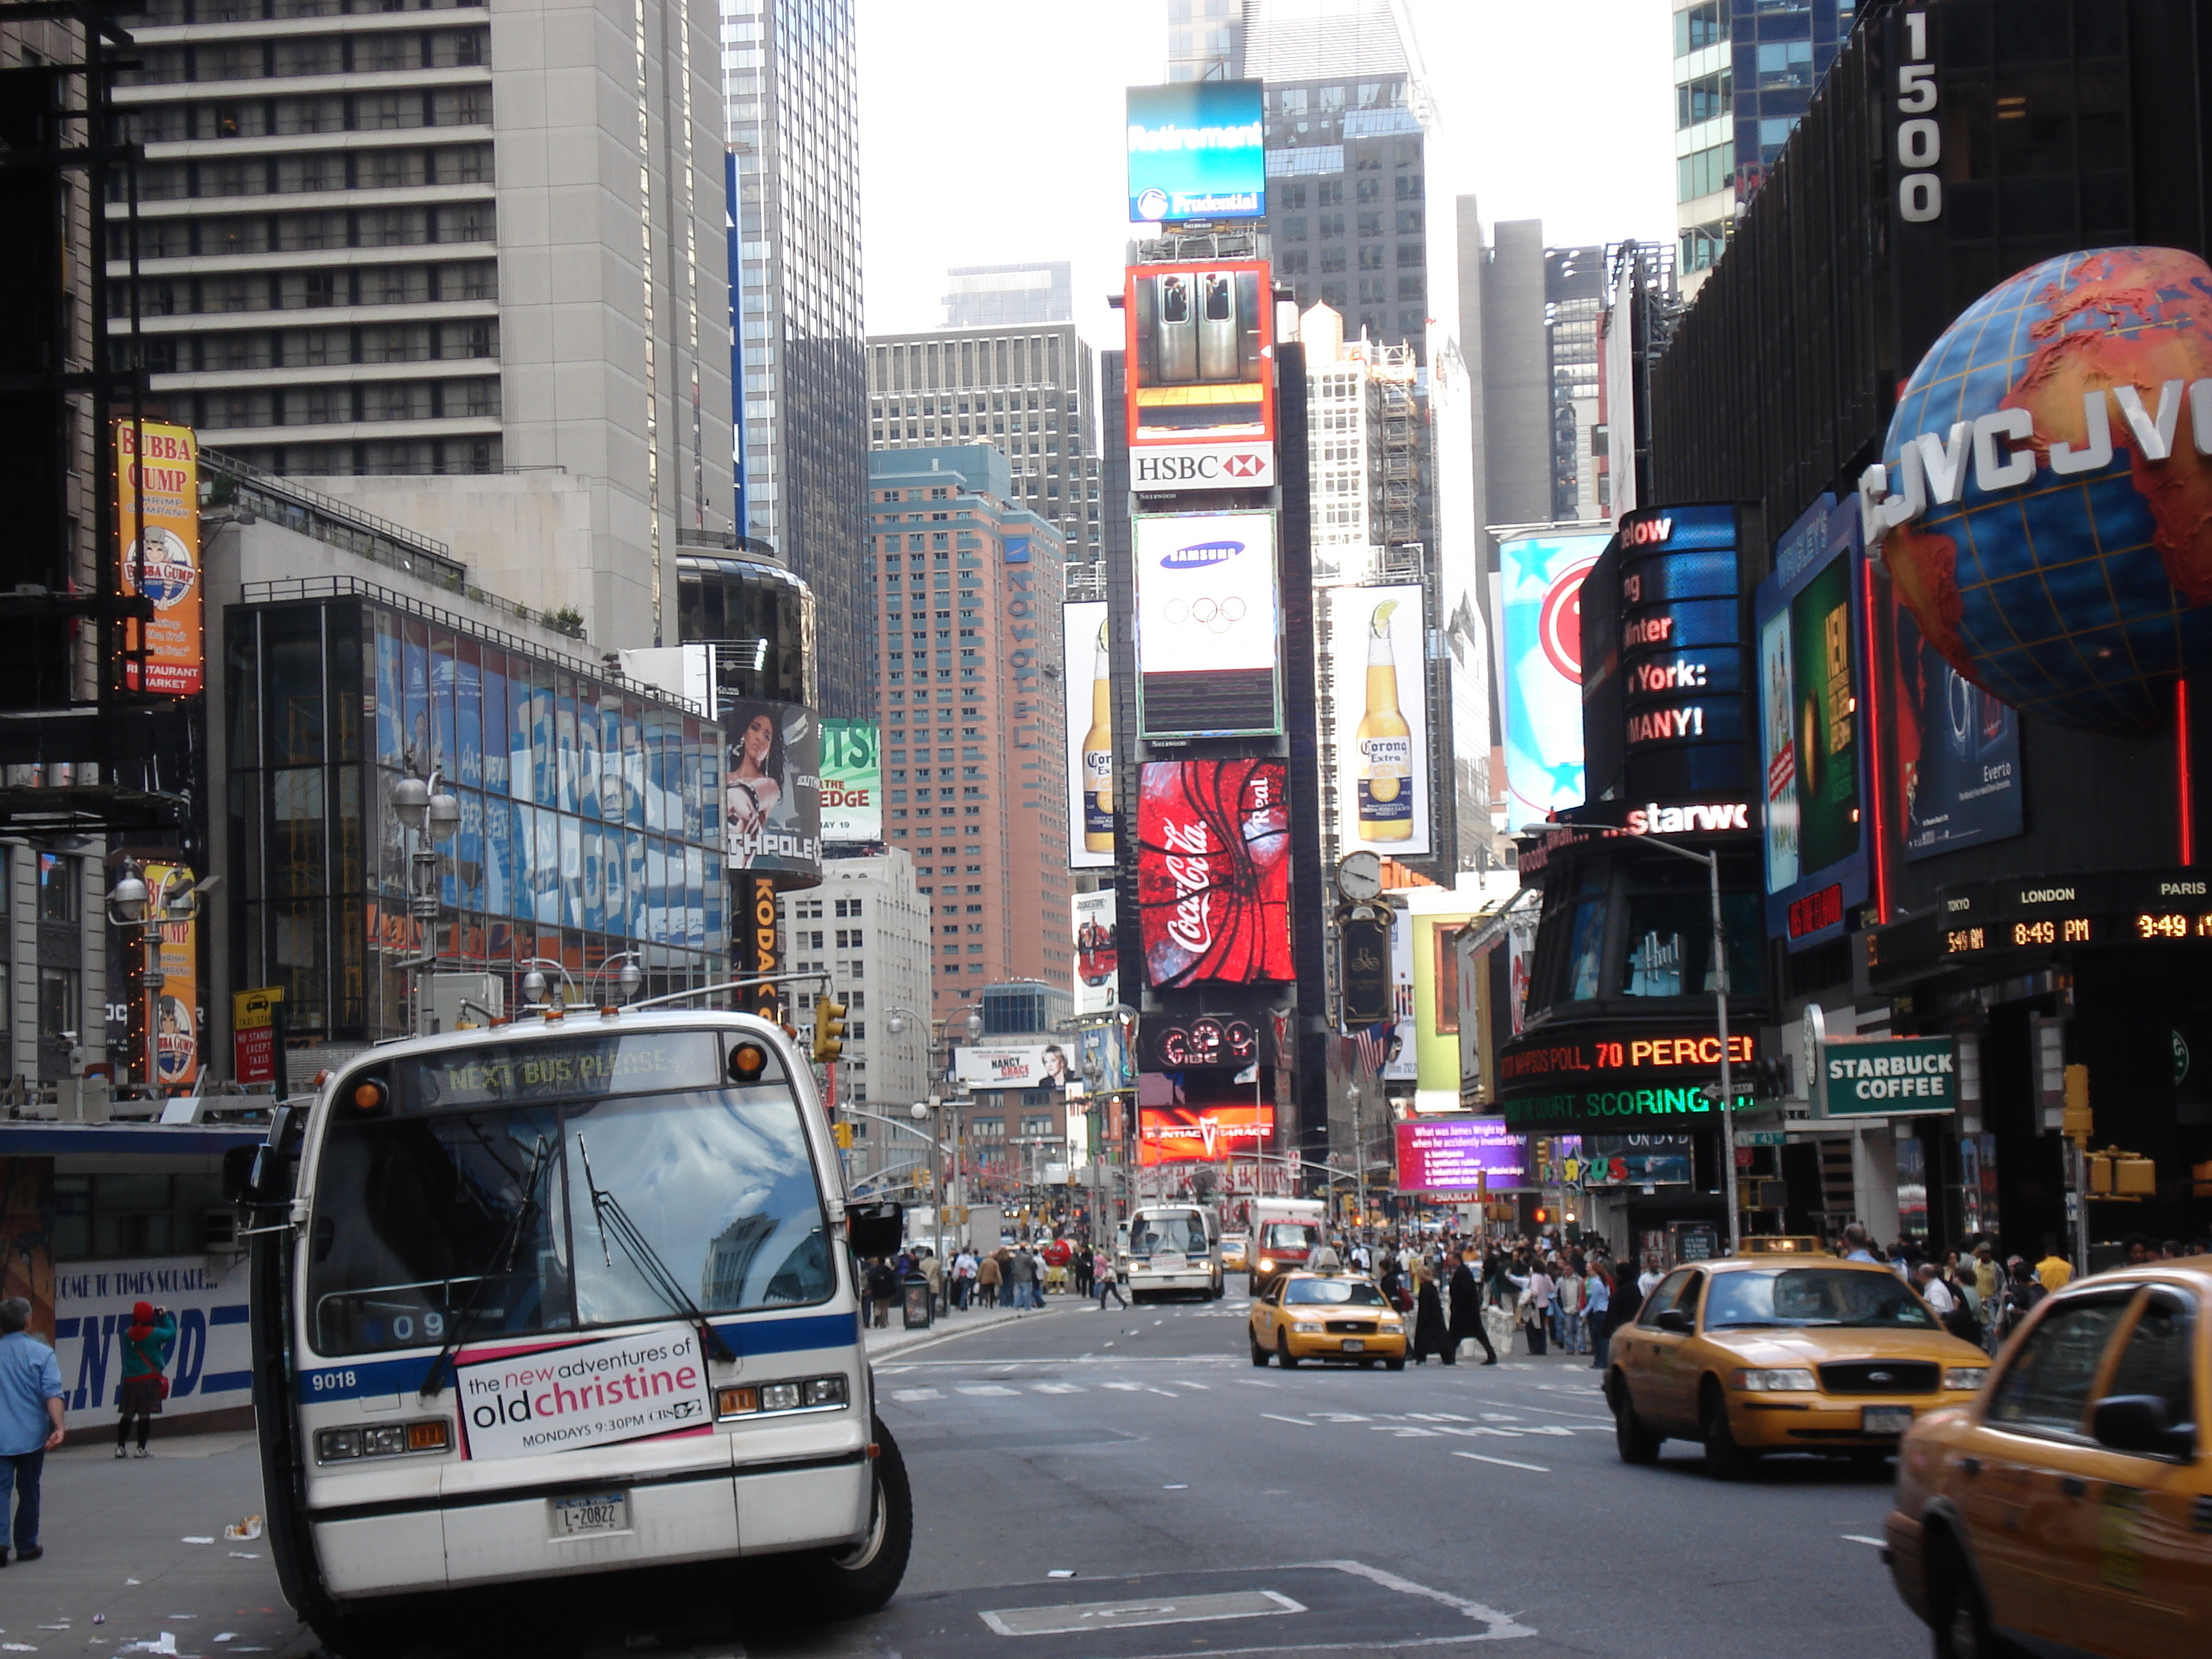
1081	1616
1501	1623
1861	1538
987	1389
1505	1461
915	1396
1056	1387
1203	1388
1299	1421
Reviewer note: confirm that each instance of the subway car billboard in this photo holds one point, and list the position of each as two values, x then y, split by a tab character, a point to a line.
1201	409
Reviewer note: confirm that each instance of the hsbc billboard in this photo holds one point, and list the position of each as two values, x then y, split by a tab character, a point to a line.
1200	408
1202	466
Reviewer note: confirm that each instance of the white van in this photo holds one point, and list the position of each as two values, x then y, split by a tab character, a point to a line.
1174	1249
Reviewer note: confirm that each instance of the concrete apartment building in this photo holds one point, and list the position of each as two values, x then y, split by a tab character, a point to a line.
790	97
464	262
968	587
1030	392
868	927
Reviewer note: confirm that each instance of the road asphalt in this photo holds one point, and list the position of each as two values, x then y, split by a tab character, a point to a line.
1120	1486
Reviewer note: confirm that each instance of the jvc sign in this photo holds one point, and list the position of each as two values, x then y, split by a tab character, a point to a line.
1202	466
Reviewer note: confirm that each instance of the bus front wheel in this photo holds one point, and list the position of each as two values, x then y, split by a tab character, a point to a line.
861	1578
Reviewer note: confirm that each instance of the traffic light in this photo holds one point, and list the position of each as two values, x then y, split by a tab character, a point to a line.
842	1134
829	1029
2078	1123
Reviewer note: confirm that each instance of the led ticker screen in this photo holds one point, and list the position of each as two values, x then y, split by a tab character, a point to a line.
1202	1134
2171	906
1656	1052
1213	871
1680	651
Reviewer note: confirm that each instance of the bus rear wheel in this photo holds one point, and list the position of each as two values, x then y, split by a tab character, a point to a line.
861	1578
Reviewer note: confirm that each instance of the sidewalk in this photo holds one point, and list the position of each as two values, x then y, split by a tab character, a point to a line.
893	1338
120	1542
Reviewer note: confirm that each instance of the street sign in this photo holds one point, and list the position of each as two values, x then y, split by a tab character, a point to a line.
1762	1137
253	1046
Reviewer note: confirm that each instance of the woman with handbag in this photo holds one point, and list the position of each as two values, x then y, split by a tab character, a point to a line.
148	1343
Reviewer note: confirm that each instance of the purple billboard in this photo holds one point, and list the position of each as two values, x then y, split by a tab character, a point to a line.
1459	1156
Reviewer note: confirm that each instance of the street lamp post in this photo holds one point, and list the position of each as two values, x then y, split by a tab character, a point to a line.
428	815
1712	863
971	1024
131	903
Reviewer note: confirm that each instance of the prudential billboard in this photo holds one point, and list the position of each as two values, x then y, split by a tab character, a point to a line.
1195	152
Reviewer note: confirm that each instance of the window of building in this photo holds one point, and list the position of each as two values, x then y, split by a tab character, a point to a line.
1786	63
1700	26
1705	99
112	1217
60	887
1702	172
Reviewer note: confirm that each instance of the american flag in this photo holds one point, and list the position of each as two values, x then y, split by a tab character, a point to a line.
1373	1042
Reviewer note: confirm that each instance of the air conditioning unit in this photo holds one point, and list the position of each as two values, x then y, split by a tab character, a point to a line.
220	1228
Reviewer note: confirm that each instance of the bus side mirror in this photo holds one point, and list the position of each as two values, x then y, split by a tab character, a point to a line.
875	1228
238	1171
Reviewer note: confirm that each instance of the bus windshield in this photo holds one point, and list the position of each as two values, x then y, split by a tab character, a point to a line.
1154	1233
419	1217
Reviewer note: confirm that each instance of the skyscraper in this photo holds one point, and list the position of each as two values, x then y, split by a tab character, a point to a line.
970	586
792	93
386	245
1575	293
1029	391
1744	72
1009	296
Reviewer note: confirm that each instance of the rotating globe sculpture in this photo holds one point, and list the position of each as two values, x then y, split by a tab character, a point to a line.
2079	587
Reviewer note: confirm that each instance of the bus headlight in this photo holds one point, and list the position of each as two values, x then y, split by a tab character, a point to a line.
384	1440
807	1394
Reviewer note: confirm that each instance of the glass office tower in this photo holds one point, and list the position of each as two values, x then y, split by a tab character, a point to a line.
791	88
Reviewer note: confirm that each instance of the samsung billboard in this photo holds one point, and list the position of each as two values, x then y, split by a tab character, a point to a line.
1196	152
1207	625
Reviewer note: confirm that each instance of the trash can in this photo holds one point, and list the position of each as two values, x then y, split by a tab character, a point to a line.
918	1311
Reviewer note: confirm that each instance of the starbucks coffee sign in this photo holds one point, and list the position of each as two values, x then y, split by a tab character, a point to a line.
1886	1077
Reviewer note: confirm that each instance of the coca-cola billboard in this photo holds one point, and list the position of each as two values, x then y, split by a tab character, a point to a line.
1213	871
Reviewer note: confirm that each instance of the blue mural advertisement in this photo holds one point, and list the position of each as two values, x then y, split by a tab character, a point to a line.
1540	640
1958	748
1195	152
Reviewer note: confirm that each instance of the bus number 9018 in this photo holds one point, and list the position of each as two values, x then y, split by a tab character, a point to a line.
328	1382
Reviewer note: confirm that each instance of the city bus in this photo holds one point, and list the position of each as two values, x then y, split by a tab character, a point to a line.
1173	1249
572	1295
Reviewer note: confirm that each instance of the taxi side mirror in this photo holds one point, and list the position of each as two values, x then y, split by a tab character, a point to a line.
1675	1320
2138	1423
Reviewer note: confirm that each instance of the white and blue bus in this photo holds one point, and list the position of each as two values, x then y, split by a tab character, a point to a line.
573	1295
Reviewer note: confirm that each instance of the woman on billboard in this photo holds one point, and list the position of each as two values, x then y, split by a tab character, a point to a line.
756	774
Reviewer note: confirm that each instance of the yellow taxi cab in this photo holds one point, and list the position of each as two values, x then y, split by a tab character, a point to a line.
1236	1252
2068	1509
1750	1355
1338	1317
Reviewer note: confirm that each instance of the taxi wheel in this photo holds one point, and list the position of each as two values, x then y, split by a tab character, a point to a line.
1366	1365
1283	1357
1259	1353
1394	1364
1960	1618
1724	1459
858	1580
1635	1442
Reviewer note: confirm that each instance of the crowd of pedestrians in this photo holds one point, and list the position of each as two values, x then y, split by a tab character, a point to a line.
1017	1275
1463	1289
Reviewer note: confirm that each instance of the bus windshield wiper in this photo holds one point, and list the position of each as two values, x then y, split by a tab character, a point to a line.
613	1220
502	1262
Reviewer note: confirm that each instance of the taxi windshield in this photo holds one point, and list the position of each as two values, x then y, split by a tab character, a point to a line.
1156	1233
1813	1296
1290	1235
1335	1292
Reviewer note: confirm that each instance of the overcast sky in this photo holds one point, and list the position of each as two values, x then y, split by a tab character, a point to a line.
990	132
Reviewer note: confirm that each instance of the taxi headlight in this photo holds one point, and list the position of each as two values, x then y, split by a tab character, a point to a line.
1789	1381
1964	1376
1307	1328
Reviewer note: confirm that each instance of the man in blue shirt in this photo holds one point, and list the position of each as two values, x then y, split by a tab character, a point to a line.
30	1423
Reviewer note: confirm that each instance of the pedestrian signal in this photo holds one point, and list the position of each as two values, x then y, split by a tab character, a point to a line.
829	1028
